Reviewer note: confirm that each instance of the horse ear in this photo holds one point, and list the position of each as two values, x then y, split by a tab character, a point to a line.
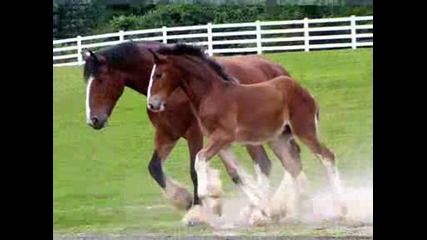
204	49
157	57
88	53
97	59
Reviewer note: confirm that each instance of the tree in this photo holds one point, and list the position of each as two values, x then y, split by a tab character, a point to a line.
272	7
77	17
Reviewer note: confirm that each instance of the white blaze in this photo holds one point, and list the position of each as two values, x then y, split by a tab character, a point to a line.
89	83
150	84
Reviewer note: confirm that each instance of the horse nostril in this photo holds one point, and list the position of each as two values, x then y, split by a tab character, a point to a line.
95	120
150	106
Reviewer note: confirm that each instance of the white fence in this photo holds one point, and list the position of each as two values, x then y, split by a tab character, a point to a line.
251	37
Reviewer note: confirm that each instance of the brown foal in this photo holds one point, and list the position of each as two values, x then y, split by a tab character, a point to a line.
229	112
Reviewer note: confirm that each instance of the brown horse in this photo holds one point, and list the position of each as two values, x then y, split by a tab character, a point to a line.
129	64
229	112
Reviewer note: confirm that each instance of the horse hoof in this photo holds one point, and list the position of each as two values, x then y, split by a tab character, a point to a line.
215	204
195	217
180	198
258	219
276	209
254	216
344	210
194	222
305	205
341	208
245	212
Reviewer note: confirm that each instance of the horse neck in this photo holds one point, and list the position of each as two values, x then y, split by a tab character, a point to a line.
138	79
198	86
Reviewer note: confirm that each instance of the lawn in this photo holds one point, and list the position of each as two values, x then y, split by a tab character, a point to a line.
101	181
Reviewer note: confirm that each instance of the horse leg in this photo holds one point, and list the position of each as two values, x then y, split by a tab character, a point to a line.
216	142
238	176
209	185
260	158
174	192
232	166
255	191
306	131
294	148
327	158
195	143
284	148
263	163
262	166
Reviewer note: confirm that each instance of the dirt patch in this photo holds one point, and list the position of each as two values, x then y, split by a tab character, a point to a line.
321	221
318	224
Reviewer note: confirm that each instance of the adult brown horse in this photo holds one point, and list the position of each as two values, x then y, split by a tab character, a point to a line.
229	112
129	64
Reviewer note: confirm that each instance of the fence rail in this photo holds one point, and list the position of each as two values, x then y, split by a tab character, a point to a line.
234	38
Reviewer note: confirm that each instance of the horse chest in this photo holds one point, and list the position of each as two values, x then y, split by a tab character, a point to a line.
173	121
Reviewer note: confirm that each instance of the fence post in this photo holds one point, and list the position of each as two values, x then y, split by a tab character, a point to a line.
353	31
210	45
79	50
165	34
121	36
306	36
258	37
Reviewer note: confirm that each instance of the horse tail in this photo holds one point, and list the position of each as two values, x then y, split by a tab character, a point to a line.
304	111
317	112
279	70
316	120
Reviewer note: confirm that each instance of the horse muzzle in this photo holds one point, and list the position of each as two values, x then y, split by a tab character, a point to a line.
156	105
98	122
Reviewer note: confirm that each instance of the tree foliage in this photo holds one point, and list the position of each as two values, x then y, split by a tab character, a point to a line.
77	17
80	17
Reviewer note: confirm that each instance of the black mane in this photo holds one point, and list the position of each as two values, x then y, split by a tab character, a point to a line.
121	56
185	49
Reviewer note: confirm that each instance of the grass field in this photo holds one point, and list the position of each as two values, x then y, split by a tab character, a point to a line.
101	181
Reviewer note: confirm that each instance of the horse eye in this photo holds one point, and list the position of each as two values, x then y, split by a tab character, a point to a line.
158	75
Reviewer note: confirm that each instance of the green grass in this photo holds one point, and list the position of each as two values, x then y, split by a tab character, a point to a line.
101	182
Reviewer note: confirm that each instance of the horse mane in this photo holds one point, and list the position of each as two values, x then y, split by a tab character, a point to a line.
121	56
180	49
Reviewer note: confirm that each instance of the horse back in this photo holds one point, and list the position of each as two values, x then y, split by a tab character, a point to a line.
298	99
249	69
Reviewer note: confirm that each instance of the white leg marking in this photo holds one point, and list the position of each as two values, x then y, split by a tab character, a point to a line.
249	191
258	174
150	84
263	183
89	83
283	199
215	184
201	167
302	183
248	185
335	182
335	179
